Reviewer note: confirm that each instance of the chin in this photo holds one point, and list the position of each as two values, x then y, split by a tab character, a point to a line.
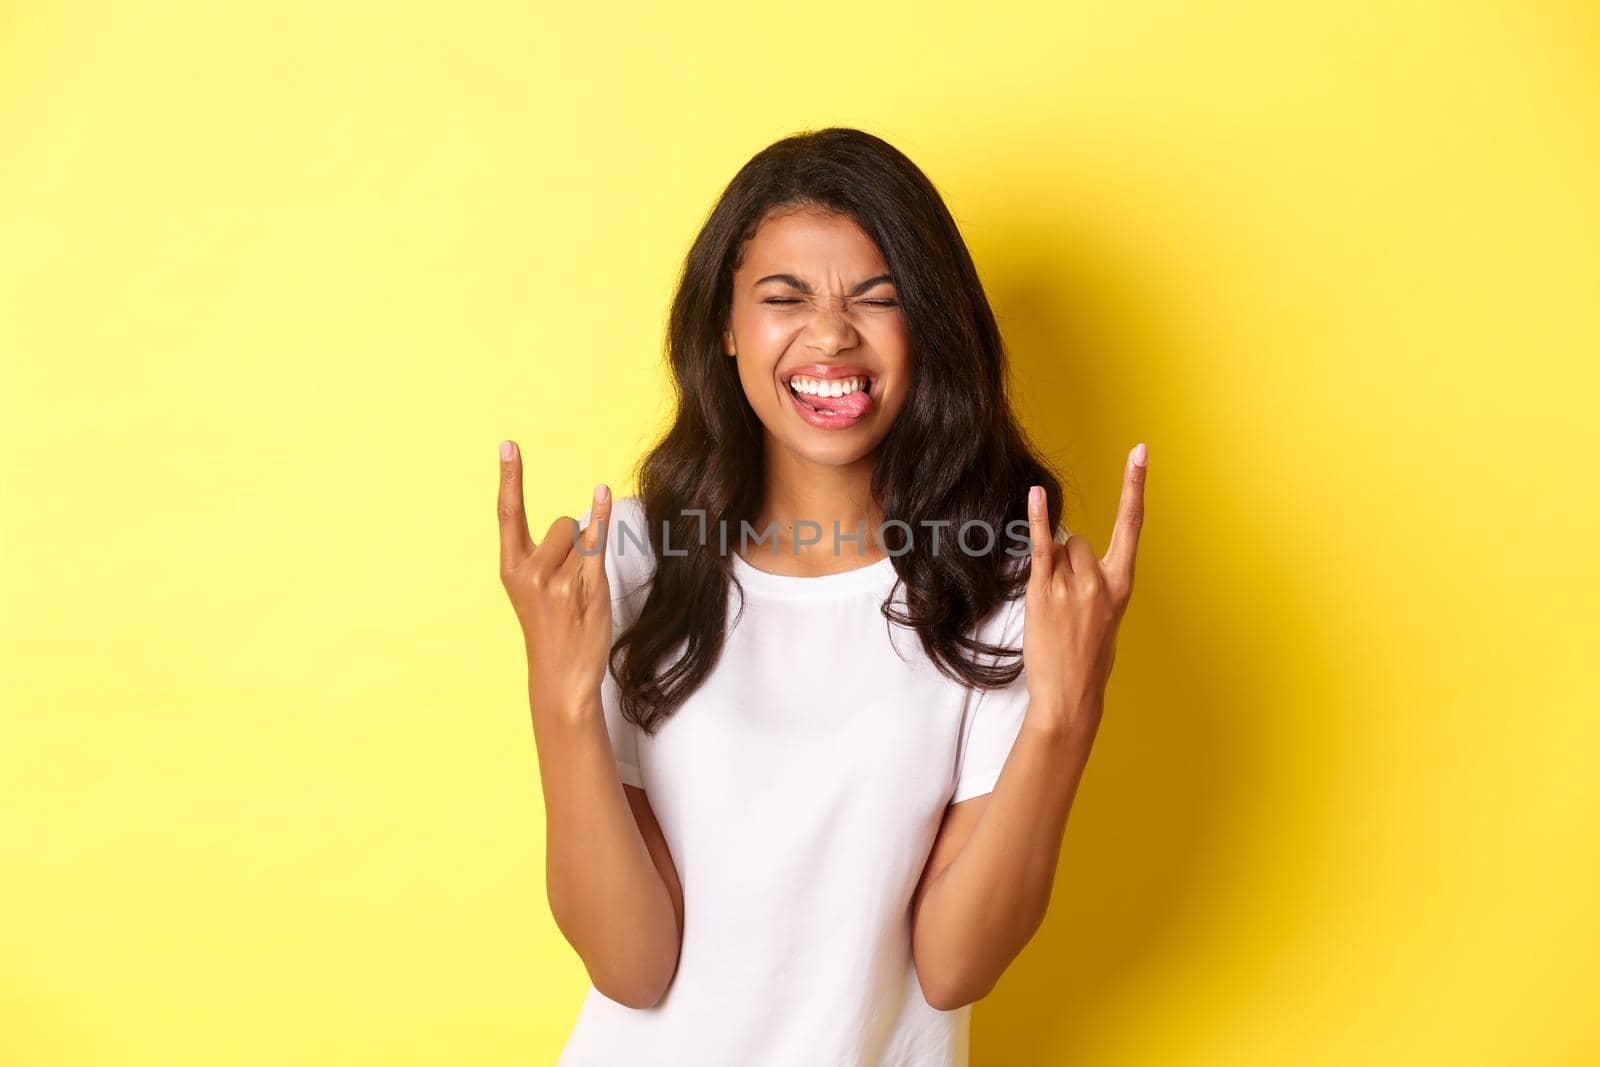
834	452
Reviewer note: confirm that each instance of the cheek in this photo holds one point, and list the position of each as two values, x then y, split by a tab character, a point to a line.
756	371
893	342
773	331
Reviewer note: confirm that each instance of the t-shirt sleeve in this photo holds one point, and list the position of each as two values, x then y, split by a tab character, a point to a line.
994	716
623	734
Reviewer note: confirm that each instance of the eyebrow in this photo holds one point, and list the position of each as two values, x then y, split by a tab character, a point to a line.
790	279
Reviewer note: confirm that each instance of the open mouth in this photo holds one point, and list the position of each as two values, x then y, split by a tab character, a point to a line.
849	397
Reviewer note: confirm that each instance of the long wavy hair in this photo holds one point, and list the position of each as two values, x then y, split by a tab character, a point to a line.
957	410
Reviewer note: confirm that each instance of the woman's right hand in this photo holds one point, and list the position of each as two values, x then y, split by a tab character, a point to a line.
559	591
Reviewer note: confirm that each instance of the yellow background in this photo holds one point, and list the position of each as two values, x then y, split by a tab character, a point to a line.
275	280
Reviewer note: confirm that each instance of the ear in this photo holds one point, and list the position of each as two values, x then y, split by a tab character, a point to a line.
727	344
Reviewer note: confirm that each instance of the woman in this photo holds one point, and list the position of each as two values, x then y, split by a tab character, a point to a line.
808	806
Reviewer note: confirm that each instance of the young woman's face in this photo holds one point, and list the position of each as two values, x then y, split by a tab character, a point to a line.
817	329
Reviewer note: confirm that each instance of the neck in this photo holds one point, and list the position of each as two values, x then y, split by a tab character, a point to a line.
800	490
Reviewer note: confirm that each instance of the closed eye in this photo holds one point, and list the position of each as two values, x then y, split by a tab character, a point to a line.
791	300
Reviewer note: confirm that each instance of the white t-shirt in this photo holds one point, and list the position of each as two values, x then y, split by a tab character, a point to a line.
799	791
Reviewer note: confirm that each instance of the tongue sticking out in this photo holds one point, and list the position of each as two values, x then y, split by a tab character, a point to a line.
855	404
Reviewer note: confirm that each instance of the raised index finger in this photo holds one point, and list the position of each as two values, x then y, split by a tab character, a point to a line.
1044	543
592	538
515	541
1130	518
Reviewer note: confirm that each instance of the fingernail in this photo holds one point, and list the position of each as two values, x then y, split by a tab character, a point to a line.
1139	453
1035	497
505	449
601	493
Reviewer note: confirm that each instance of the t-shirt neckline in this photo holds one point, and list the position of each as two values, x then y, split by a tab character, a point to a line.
877	575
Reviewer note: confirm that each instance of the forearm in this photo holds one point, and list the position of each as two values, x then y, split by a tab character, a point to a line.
977	914
606	893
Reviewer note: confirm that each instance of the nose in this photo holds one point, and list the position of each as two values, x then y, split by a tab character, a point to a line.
828	328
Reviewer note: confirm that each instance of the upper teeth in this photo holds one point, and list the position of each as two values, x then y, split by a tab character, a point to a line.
800	383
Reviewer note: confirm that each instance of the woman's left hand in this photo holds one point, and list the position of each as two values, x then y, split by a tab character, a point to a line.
1074	605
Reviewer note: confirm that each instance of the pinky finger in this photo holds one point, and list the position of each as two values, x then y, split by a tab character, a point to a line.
515	541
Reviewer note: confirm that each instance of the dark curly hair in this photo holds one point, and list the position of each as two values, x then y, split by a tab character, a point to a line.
957	409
